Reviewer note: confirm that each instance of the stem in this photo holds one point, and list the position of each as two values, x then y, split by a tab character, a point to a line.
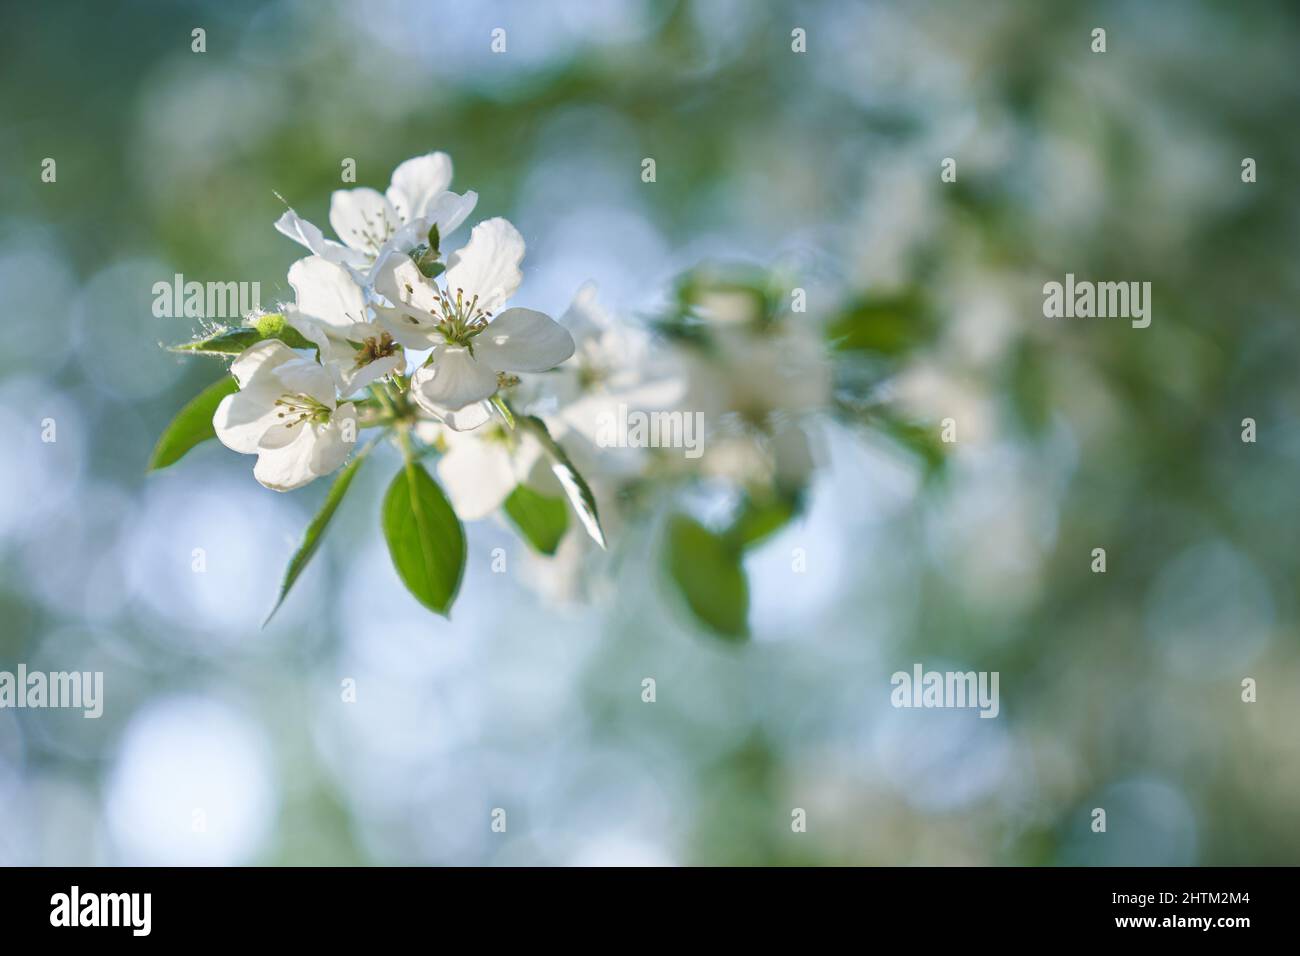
504	408
377	420
404	442
381	395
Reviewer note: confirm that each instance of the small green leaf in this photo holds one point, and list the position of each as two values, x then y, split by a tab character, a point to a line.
881	325
224	342
429	266
757	520
312	538
1030	389
686	329
425	538
575	486
235	340
921	440
541	519
192	424
426	255
707	569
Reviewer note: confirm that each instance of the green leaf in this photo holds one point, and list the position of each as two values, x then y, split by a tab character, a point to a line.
922	440
312	538
734	278
575	486
685	329
426	255
425	538
707	570
192	424
541	519
224	342
233	341
429	266
757	520
1030	389
886	326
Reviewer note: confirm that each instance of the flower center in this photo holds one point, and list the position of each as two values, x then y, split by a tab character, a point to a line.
373	348
460	319
299	408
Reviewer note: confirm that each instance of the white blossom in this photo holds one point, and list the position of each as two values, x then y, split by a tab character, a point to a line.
479	469
371	224
473	343
330	310
614	364
287	414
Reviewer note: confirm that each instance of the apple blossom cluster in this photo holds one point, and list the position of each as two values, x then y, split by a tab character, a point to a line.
536	421
389	332
385	288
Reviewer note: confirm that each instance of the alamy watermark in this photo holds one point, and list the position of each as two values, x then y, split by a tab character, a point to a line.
955	689
1102	300
626	428
205	300
83	690
130	910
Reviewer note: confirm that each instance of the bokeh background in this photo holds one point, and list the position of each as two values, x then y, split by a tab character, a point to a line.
222	743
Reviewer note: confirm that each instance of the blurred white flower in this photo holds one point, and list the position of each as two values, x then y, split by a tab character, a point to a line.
614	364
287	414
757	386
479	469
762	374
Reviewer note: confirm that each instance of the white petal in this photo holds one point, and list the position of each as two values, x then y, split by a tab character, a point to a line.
477	475
527	455
488	265
363	218
592	414
521	340
407	237
310	328
355	379
407	330
305	233
335	441
260	358
327	292
453	380
417	182
448	211
281	435
534	468
307	377
586	317
336	354
242	419
287	466
411	302
428	432
465	419
400	281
